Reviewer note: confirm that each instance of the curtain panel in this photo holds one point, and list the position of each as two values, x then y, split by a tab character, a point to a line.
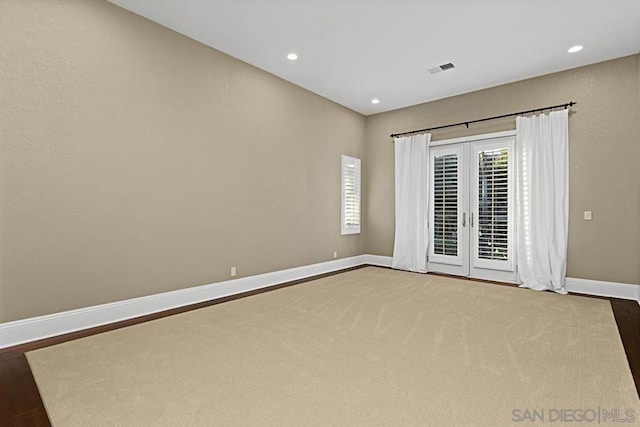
542	200
412	201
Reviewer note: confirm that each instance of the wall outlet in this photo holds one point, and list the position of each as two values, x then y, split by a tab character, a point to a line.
233	271
587	216
335	254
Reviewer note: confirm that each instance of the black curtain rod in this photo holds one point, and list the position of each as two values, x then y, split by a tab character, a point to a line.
468	122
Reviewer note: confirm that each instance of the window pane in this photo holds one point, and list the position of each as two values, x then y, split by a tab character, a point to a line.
493	198
350	215
445	205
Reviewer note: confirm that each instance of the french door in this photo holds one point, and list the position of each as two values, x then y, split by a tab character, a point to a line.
471	212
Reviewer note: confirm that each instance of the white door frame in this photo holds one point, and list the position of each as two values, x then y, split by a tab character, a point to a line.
471	265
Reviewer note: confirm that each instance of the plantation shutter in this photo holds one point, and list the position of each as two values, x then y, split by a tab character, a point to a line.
493	204
445	205
350	206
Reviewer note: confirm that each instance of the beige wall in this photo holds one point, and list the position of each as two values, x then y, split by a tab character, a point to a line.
604	134
134	160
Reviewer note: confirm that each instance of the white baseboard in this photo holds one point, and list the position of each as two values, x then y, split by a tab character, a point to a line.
379	260
581	286
603	289
37	328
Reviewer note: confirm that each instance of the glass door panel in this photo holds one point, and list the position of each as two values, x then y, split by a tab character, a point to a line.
448	232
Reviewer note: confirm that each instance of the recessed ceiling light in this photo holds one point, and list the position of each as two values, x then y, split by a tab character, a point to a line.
375	101
574	49
292	56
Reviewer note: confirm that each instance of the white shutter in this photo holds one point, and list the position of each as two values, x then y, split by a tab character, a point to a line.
493	204
445	205
350	206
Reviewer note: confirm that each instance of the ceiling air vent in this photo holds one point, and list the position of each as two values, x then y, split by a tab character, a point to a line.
440	68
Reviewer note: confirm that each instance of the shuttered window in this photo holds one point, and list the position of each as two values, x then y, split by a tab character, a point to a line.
350	206
493	204
445	205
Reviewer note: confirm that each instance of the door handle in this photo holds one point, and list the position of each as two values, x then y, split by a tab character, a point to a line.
464	219
471	219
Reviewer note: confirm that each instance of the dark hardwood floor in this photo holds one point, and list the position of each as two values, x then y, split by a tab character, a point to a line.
21	405
627	315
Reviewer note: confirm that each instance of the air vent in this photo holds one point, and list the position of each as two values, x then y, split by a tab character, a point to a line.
440	68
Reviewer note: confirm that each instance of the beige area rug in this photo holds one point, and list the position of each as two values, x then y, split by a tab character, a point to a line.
369	347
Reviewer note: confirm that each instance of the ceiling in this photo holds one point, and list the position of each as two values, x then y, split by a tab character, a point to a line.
352	51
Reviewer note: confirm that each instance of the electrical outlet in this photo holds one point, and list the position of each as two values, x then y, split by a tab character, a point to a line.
587	216
233	271
335	254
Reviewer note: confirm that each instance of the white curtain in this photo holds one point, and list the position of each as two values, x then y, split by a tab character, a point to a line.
542	200
412	197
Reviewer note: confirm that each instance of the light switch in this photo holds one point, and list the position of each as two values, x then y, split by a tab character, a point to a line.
587	215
